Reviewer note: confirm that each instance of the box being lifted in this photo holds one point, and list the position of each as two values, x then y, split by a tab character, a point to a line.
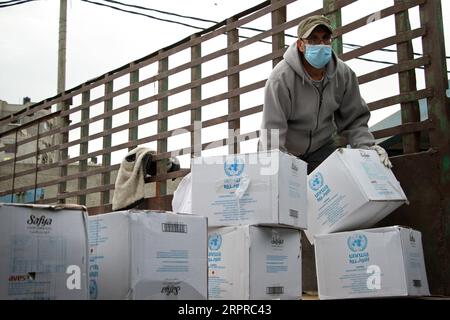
350	190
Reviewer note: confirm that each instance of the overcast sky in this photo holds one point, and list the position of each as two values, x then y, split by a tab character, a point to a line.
100	39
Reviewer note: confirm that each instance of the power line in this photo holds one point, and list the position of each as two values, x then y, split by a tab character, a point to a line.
10	1
376	61
246	28
16	2
145	15
13	3
176	14
184	24
5	2
157	18
160	11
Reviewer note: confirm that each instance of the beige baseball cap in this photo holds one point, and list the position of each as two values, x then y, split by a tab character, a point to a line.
307	25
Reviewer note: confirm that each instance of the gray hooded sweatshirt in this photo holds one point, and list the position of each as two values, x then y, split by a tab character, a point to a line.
306	118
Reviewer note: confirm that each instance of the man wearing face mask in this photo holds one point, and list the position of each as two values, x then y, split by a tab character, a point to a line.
311	96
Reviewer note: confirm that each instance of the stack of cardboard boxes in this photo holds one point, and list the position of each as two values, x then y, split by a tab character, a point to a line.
241	242
255	204
349	191
57	252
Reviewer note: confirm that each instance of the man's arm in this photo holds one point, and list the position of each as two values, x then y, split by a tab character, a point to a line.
276	104
352	121
353	116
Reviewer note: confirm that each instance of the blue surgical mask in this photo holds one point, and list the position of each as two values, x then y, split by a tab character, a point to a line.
318	55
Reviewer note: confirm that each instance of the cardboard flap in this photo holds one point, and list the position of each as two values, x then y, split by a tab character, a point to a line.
47	206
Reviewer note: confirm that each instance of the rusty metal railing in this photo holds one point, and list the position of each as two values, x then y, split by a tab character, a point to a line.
81	109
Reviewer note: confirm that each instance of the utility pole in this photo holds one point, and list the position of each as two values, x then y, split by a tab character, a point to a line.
62	46
61	86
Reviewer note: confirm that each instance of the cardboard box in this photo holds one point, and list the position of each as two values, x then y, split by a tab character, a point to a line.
148	255
43	252
254	262
258	188
382	262
350	190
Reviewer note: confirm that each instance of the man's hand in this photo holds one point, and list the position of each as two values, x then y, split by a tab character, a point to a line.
383	155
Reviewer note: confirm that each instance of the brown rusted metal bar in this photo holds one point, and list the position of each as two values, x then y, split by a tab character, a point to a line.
205	124
233	83
335	17
396	68
36	162
336	22
401	98
133	113
84	192
106	158
439	113
100	209
79	193
401	37
404	129
436	77
84	148
407	82
335	5
376	16
159	203
196	95
167	176
161	166
68	178
63	151
278	17
216	144
230	117
14	168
